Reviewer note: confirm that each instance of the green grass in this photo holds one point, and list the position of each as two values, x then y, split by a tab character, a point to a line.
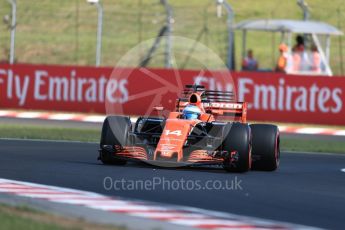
325	146
10	220
49	133
93	135
25	217
64	31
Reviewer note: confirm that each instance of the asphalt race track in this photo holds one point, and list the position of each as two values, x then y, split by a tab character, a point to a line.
308	189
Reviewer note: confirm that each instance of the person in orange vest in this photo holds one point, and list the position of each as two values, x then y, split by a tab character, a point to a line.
316	59
283	58
249	62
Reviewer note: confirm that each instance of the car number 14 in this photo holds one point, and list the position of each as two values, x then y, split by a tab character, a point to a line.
174	132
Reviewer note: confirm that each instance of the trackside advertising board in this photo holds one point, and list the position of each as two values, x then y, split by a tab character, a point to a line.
270	96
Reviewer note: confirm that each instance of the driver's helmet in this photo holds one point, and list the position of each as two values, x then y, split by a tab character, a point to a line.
191	112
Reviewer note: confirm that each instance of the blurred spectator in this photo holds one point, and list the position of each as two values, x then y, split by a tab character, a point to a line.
299	46
315	59
249	62
296	59
283	58
301	61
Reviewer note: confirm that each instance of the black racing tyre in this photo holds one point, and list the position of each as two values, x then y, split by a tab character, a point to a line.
115	131
237	137
266	147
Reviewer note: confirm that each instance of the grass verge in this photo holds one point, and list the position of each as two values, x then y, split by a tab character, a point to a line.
93	135
23	217
49	133
305	145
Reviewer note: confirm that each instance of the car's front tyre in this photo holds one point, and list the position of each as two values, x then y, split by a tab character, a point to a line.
237	138
115	131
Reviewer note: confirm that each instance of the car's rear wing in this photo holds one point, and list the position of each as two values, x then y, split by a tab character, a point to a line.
207	95
236	110
224	110
221	104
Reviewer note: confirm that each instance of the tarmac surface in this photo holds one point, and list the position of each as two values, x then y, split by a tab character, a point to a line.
307	189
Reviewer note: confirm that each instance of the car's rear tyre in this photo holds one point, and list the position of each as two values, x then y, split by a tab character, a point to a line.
237	138
266	147
115	131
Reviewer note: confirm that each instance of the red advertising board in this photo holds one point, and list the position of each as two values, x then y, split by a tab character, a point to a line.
270	96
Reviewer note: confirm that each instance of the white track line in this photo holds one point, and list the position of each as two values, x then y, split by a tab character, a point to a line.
4	113
310	130
62	116
96	119
29	115
340	133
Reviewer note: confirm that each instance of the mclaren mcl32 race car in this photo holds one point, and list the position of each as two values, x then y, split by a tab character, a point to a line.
197	132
